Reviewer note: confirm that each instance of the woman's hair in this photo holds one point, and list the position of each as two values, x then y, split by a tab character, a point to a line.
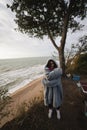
49	63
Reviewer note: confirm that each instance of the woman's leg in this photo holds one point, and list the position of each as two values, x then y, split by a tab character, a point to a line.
58	112
50	99
50	106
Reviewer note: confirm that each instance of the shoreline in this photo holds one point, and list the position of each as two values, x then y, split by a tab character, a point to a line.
23	95
28	92
13	90
24	87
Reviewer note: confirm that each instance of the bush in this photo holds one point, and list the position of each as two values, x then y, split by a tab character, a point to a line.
4	101
78	66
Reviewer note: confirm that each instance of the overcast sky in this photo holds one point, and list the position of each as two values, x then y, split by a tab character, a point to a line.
14	44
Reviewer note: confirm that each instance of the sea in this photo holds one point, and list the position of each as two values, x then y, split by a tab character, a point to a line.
16	73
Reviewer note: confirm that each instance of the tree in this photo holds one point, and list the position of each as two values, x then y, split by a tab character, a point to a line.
78	65
81	46
76	57
77	50
50	18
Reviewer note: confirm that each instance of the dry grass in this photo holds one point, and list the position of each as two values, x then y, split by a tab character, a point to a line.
35	118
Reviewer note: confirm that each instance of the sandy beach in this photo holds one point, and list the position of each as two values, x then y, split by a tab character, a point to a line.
28	92
25	94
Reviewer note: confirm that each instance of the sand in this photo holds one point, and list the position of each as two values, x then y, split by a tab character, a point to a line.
28	92
25	94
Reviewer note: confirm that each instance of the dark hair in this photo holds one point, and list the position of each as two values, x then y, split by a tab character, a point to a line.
49	65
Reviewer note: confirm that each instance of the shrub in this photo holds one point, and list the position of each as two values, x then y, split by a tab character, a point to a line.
79	65
4	101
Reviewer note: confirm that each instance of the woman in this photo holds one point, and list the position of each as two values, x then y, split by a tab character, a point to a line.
52	87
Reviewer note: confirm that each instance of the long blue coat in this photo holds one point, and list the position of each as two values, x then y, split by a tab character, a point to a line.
53	92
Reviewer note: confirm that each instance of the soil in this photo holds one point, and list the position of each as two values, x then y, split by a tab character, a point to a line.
72	112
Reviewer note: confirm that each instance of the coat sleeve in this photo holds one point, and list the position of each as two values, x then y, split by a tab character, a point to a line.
55	74
51	79
51	83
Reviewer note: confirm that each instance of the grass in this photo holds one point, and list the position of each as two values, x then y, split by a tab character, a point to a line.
35	118
34	115
5	101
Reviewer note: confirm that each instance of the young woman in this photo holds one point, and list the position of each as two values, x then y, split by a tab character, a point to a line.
53	92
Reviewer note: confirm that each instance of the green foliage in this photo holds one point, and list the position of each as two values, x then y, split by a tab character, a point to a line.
36	17
79	65
76	50
81	46
4	101
50	18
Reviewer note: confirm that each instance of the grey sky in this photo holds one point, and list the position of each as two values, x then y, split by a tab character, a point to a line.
14	44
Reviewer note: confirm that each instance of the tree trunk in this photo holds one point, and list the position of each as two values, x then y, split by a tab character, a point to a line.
62	59
60	49
63	41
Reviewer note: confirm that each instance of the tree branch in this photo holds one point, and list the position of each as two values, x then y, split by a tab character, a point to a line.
52	40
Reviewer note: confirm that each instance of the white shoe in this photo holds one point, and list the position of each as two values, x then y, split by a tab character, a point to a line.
50	113
58	114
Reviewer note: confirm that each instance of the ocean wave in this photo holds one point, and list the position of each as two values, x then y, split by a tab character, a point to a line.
16	73
15	79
